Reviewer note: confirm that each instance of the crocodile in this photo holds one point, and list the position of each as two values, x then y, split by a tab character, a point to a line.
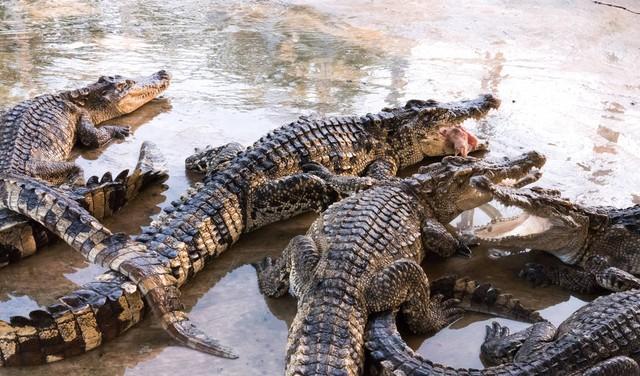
38	135
244	191
363	255
600	244
101	196
601	338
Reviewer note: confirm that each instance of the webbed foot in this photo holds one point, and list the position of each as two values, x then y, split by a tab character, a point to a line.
117	131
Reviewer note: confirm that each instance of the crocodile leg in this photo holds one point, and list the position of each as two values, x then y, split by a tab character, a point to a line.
91	136
501	347
615	279
597	274
568	278
540	334
343	184
438	239
404	283
298	261
213	158
382	168
617	366
273	276
610	277
286	197
55	172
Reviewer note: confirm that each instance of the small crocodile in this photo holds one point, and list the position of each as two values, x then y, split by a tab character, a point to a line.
363	256
601	243
37	136
602	338
249	189
102	197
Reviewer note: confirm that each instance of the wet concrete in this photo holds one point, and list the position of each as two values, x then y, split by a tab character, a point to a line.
567	73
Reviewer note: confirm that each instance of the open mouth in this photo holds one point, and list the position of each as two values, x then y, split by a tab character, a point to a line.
522	226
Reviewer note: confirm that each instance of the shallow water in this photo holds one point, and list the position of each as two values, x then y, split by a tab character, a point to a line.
567	72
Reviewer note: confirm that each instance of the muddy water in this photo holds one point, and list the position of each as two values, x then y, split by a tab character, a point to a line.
567	73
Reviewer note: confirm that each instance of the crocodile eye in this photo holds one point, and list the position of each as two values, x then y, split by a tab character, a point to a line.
102	79
121	85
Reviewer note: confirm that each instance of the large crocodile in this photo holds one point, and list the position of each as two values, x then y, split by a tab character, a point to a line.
363	256
601	242
252	188
37	136
602	338
21	237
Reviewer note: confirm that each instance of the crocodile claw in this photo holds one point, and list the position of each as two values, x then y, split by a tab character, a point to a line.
119	132
495	331
448	310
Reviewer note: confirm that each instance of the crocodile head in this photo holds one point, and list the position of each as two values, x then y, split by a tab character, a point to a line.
454	185
428	128
113	96
548	222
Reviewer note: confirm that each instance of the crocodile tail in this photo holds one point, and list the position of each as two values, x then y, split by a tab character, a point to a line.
160	289
390	355
76	323
326	336
147	269
20	238
104	196
483	298
180	328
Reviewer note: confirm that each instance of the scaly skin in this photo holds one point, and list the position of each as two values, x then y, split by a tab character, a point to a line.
102	197
598	339
37	136
602	243
363	256
245	190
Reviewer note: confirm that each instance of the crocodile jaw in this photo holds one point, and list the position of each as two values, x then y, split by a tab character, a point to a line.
144	90
528	231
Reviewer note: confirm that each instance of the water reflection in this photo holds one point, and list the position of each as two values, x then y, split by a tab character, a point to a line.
568	80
